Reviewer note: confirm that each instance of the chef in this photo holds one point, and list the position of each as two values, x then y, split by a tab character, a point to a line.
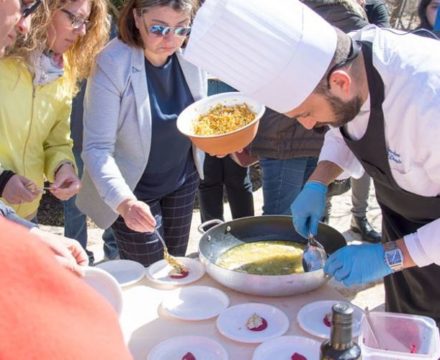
379	91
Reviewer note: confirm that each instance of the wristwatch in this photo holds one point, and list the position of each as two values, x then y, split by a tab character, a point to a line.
393	256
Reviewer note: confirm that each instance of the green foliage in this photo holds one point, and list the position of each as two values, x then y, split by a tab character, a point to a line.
115	6
117	3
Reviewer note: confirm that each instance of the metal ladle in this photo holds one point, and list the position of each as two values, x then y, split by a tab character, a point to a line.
176	264
314	256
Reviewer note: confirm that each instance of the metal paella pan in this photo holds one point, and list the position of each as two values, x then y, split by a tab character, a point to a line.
222	237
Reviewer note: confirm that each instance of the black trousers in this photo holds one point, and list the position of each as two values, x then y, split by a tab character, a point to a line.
220	174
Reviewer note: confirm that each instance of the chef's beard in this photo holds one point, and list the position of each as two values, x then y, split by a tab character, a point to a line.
343	112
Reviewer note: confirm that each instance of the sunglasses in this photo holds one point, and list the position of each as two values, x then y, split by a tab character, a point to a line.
76	21
28	9
162	30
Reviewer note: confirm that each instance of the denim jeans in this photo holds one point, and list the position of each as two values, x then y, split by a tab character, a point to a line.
75	223
282	182
217	87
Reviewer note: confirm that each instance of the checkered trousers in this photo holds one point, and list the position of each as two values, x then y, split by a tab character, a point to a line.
173	214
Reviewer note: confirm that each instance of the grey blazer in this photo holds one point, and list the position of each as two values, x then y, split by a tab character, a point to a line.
117	129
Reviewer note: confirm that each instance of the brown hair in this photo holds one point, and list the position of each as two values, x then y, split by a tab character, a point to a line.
128	32
79	58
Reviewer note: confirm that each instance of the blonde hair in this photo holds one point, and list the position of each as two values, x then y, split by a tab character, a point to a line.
80	57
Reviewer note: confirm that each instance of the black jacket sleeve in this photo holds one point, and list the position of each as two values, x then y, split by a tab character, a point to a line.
377	13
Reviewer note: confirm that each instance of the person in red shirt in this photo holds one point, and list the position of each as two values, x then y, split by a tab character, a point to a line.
45	309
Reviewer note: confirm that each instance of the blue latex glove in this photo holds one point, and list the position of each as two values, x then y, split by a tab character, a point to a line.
308	208
358	264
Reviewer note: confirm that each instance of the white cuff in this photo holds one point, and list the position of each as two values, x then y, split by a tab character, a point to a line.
416	250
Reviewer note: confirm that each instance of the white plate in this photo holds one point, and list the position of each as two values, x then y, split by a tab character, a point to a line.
126	272
195	302
159	272
106	285
203	348
232	322
285	346
311	317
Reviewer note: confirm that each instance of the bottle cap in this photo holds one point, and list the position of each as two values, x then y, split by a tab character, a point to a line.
342	312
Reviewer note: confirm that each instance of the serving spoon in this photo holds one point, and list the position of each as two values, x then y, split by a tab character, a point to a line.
171	260
314	255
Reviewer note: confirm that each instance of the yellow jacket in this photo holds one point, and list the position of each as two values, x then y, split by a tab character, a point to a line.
34	127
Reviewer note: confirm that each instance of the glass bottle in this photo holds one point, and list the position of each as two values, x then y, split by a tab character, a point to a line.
340	346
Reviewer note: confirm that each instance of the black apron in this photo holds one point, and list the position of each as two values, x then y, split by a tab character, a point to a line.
415	290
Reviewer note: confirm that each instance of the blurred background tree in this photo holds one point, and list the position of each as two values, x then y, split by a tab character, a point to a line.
403	13
115	6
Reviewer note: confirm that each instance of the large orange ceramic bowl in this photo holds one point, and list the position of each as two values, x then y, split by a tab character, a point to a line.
225	143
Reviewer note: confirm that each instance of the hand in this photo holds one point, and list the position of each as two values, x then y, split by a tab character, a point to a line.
68	252
358	264
308	208
66	183
137	215
221	156
20	190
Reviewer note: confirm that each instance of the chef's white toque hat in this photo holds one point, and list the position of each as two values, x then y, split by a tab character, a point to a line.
275	51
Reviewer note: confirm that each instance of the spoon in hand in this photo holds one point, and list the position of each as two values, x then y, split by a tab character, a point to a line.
178	266
314	255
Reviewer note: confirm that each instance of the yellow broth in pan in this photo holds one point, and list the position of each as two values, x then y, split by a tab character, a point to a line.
264	258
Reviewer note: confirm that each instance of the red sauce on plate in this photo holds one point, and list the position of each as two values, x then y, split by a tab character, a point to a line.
297	356
261	327
182	275
327	320
188	356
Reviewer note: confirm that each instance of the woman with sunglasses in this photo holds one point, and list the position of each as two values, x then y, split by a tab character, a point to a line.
38	80
140	173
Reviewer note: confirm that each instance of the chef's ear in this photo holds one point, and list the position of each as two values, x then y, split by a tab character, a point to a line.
340	83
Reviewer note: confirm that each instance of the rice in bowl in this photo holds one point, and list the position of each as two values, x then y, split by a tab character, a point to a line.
223	119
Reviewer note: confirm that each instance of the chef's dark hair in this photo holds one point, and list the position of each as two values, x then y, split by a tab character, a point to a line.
342	52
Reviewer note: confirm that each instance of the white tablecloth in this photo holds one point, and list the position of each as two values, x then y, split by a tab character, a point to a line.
145	325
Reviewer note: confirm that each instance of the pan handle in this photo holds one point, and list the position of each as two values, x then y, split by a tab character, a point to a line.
212	223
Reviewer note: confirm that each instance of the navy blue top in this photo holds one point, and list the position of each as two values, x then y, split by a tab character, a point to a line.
170	155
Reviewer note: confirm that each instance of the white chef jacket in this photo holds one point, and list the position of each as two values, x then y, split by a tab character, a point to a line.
410	69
